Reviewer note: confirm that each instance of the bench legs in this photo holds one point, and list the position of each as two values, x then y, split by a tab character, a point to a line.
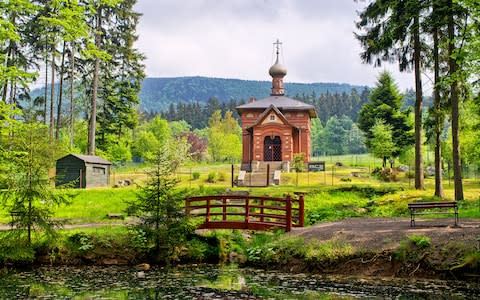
412	218
456	216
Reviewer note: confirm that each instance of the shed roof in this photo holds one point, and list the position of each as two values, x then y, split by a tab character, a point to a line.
281	102
93	159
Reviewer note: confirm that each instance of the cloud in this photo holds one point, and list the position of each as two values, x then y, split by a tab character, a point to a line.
233	39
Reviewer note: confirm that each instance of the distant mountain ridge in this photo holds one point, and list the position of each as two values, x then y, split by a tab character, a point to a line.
159	92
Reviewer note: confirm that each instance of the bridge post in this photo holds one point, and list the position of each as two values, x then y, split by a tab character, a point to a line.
262	203
301	211
288	213
247	212
187	207
207	215
224	213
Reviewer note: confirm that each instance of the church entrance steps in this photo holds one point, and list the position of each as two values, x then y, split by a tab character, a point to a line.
258	177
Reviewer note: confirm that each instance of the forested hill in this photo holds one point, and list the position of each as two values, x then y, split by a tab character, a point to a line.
158	93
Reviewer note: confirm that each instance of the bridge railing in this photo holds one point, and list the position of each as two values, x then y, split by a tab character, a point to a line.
246	212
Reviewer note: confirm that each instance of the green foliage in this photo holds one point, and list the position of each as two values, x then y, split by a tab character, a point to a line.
381	141
222	176
298	162
270	248
30	198
195	175
81	242
328	252
138	238
420	241
411	250
224	140
160	205
212	177
14	248
384	104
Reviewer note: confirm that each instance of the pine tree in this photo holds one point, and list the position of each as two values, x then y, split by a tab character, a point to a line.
384	104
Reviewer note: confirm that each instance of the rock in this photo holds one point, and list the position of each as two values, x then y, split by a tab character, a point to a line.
361	210
430	171
338	164
140	275
127	182
143	267
110	261
234	257
403	168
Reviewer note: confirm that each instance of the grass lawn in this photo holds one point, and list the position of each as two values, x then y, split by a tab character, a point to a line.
323	201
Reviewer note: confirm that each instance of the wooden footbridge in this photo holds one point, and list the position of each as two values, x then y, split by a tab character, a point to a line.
246	212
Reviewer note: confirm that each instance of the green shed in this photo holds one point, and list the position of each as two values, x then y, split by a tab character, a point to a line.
82	171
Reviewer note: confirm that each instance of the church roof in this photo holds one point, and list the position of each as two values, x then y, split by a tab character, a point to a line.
281	102
267	111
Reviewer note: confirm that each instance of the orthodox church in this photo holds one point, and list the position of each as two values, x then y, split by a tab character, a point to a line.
275	128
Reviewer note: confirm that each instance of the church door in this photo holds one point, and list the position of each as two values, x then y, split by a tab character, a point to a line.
272	149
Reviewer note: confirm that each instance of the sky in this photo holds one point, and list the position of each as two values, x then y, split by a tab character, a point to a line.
234	39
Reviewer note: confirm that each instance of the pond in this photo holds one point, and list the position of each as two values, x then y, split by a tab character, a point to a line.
216	282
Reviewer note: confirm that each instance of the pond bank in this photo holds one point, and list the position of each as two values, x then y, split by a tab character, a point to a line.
381	247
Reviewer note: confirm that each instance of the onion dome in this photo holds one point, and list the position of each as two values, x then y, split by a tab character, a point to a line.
277	70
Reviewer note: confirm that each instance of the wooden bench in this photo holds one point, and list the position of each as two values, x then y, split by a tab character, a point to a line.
444	207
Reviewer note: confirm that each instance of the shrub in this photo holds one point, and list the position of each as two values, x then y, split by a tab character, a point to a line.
211	178
385	174
408	251
410	174
81	241
222	176
420	241
195	175
14	249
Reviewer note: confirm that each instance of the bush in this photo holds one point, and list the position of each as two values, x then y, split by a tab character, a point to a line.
222	176
420	241
211	178
195	175
410	174
387	175
14	249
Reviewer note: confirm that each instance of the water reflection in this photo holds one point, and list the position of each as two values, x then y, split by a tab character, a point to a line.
213	282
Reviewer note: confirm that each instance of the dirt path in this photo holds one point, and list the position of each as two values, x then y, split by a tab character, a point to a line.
386	233
73	226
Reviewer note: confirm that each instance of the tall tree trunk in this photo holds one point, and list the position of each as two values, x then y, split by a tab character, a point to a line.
45	95
52	94
452	65
93	110
419	182
60	94
438	118
9	60
7	64
72	91
13	93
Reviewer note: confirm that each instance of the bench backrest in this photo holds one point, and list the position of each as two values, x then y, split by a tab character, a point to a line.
432	204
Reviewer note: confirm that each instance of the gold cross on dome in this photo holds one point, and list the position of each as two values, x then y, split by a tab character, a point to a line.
277	45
